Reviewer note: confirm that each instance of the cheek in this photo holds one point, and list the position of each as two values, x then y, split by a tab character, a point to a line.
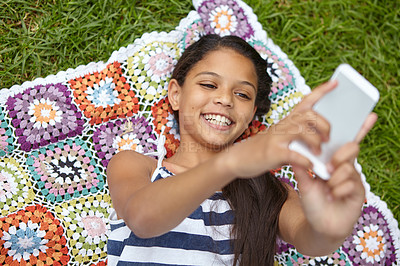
249	113
187	123
187	117
246	117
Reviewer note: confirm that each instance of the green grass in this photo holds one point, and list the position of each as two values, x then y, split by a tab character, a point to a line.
39	38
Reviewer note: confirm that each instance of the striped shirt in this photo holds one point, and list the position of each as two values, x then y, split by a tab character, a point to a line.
203	238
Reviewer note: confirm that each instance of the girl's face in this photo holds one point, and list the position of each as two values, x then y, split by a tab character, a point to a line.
217	101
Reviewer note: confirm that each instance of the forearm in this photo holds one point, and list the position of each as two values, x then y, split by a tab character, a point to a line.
162	205
319	238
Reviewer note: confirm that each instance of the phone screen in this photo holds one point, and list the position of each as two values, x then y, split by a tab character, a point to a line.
346	108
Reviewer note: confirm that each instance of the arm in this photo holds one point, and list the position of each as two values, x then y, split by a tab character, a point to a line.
151	209
308	240
319	221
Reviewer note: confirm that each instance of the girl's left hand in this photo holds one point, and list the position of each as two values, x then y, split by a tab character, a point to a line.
333	207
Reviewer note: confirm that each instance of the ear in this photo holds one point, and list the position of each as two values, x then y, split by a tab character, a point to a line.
174	93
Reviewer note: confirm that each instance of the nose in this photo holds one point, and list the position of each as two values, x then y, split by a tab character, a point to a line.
223	97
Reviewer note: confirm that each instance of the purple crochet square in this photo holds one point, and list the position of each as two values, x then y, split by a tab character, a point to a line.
128	134
371	240
44	114
225	17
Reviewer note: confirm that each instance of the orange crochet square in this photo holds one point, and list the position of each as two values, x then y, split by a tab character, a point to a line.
105	95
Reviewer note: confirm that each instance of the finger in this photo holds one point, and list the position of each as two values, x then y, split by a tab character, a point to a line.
344	189
346	181
366	127
304	180
309	127
350	185
317	94
319	125
345	154
312	141
315	124
296	159
342	174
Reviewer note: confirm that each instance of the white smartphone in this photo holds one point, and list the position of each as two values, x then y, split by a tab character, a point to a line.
346	107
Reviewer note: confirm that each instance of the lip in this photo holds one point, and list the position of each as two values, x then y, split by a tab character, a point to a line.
217	127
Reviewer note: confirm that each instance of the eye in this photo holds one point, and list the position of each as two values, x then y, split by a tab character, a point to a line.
208	85
243	95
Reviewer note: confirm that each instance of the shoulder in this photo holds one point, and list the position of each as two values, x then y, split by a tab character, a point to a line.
133	157
130	165
128	172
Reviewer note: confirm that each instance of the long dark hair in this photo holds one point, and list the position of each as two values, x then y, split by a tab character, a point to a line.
256	202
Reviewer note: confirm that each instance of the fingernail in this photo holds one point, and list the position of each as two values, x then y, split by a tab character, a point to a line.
331	82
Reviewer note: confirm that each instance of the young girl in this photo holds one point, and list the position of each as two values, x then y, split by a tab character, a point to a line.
215	202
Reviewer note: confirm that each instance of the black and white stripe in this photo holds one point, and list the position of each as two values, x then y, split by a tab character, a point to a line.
203	238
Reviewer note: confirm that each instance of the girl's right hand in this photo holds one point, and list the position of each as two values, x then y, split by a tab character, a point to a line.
270	149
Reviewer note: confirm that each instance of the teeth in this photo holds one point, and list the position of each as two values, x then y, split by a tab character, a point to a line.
218	119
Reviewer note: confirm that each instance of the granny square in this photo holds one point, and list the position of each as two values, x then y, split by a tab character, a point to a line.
124	134
104	95
16	187
44	114
66	170
33	235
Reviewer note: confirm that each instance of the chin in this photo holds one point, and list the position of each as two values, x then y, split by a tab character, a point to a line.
218	145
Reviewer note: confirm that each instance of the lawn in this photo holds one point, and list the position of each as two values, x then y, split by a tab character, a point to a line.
39	38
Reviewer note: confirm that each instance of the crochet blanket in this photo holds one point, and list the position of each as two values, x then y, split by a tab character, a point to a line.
57	135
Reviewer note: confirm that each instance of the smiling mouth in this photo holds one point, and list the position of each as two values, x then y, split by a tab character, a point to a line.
218	120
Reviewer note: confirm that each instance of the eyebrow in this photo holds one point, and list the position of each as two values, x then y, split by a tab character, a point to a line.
218	76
